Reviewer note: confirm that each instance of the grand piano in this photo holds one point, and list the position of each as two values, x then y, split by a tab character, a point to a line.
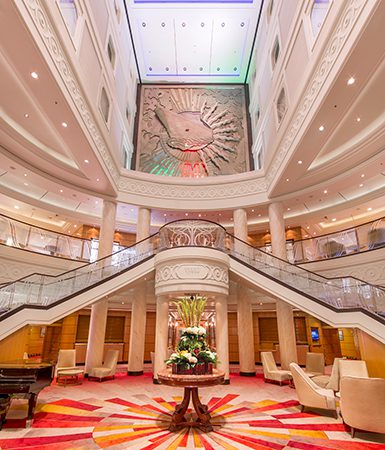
26	380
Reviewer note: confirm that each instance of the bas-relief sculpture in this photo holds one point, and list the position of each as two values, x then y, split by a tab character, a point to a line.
192	131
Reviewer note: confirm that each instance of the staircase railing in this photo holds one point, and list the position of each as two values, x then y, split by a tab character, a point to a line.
40	290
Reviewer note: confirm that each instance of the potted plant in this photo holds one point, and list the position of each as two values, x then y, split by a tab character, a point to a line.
192	355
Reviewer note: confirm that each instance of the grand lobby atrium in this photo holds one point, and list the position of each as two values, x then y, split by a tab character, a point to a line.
192	224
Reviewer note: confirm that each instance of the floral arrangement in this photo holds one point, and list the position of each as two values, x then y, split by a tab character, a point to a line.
192	355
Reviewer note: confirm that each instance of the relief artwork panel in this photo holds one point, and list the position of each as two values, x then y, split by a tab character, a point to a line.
192	131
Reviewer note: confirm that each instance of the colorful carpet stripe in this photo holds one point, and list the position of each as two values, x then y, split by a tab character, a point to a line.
142	423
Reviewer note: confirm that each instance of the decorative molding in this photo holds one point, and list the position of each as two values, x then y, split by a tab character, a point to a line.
342	32
186	191
191	272
58	55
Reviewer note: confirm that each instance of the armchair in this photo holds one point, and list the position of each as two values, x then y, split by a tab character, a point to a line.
315	364
362	403
108	368
331	381
270	370
66	371
309	394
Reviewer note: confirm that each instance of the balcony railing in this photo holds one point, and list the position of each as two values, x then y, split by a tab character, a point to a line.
358	239
339	293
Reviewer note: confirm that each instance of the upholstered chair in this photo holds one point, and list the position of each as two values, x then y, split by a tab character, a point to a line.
331	381
270	370
66	361
348	367
309	394
363	403
315	364
108	368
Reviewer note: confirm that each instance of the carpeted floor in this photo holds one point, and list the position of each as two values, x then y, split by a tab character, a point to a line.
132	413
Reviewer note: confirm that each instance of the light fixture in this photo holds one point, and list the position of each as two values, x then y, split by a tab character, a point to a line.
259	215
334	219
369	209
34	75
314	233
61	190
321	128
252	210
164	215
86	161
64	124
26	115
25	184
25	174
351	81
97	179
358	119
325	191
288	209
75	226
199	215
361	185
299	162
17	207
362	175
287	179
308	228
186	214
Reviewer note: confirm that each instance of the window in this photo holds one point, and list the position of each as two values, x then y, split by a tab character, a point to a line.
111	52
70	14
275	52
318	14
281	105
104	105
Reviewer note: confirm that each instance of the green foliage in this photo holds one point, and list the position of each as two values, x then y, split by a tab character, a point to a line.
190	310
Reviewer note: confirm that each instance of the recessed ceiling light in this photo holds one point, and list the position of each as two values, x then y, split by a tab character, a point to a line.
362	175
17	207
164	215
25	184
98	179
321	128
361	185
314	233
64	124
288	209
358	119
199	215
325	191
252	210
86	161
334	219
259	215
186	214
25	174
287	179
61	190
369	209
26	115
34	75
75	226
299	162
351	81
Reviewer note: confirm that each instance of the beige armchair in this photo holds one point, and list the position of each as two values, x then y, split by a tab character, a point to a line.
270	370
354	368
315	364
331	381
108	368
66	361
362	403
309	394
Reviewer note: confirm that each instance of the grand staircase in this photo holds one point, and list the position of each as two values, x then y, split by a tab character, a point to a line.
341	302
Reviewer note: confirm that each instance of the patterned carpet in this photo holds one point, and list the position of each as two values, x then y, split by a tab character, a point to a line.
142	421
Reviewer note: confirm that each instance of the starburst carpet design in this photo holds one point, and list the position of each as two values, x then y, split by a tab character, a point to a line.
142	423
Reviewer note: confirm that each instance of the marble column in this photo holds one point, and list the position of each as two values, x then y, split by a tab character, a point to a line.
139	307
137	331
161	335
285	317
222	335
240	231
99	310
245	333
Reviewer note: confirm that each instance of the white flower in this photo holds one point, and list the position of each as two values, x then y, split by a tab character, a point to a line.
195	330
187	355
192	360
201	331
188	330
174	355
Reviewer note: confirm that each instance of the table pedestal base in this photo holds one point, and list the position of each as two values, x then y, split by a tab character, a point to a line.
178	418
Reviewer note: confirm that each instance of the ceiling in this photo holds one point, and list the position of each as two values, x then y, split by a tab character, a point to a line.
191	41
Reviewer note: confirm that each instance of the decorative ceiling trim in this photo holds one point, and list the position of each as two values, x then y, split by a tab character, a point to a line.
52	43
342	32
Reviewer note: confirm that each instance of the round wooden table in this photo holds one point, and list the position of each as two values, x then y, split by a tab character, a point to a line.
191	383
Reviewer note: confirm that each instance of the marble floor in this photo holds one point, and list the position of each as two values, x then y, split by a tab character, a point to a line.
133	413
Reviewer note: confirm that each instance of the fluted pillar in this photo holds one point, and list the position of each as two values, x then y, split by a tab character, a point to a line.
99	310
137	331
285	317
139	307
240	231
245	333
222	335
161	335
